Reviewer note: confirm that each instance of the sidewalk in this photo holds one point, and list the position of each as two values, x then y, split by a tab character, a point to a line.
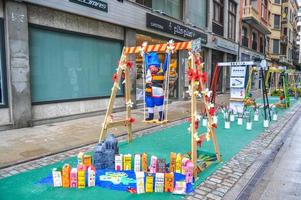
20	145
282	179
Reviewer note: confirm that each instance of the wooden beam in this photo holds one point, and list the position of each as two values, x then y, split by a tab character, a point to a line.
118	123
128	100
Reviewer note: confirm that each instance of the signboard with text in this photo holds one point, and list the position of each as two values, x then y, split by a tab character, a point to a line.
164	25
96	4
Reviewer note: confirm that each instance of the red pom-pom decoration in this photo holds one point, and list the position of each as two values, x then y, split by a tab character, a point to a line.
114	77
130	64
132	120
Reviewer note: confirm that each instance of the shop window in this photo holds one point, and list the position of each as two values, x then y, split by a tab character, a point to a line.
171	8
3	92
68	66
198	12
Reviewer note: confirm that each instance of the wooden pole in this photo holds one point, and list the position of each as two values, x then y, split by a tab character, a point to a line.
128	100
193	119
115	89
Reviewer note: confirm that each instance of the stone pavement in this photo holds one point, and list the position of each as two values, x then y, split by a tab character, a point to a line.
282	180
230	181
21	145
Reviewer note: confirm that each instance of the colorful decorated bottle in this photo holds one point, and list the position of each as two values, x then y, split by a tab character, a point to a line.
137	163
179	163
81	176
140	182
66	175
127	162
169	182
80	158
159	184
189	172
154	164
144	162
91	176
172	164
149	185
118	162
57	177
184	162
73	178
87	160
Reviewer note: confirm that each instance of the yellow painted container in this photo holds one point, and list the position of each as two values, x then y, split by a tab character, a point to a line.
149	184
172	165
179	163
144	162
81	176
87	160
127	162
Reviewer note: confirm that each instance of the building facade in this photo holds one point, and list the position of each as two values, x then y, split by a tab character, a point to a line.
283	47
58	56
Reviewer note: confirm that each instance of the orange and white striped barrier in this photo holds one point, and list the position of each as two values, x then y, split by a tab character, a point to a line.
158	47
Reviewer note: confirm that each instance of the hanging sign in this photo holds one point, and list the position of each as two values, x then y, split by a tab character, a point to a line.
96	4
164	25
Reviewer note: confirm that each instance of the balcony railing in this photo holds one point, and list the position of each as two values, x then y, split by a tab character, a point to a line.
250	11
254	45
245	41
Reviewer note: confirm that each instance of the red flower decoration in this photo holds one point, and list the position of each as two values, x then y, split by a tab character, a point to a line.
196	124
132	120
211	111
130	64
190	74
203	77
199	142
207	98
214	125
281	97
197	61
114	77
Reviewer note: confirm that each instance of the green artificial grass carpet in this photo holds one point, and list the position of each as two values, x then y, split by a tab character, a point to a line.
160	143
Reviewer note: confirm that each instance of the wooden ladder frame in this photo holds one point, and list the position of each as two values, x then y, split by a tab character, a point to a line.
108	121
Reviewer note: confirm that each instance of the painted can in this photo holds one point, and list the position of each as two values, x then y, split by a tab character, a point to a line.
249	126
227	125
239	121
232	118
265	123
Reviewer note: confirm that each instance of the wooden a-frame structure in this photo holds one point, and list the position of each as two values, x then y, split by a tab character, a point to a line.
124	66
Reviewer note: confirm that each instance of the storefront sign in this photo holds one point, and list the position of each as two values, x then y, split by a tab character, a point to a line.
225	44
96	4
238	71
167	26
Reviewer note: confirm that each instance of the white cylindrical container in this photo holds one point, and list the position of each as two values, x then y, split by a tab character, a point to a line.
275	117
249	126
215	119
232	118
239	121
227	125
265	123
205	121
256	117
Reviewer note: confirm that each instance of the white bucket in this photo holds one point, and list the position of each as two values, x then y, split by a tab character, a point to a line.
232	118
215	119
239	121
249	126
205	121
275	117
265	123
256	118
227	125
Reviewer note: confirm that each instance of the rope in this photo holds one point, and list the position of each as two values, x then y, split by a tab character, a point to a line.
144	103
166	92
